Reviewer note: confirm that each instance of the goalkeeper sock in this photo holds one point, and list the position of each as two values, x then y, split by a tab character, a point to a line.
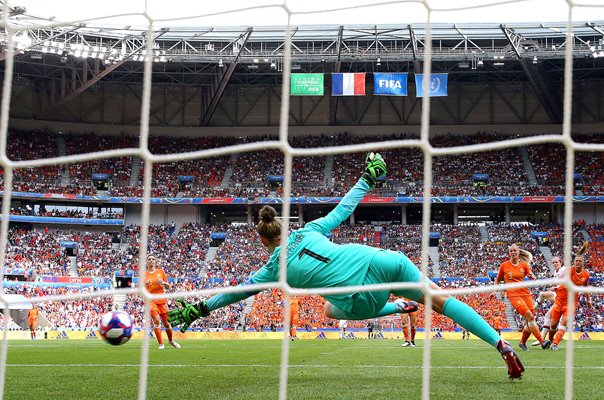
465	316
389	308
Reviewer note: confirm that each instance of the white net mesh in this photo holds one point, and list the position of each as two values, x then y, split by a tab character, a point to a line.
292	11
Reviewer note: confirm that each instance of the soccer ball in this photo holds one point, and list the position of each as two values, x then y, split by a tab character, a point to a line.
115	327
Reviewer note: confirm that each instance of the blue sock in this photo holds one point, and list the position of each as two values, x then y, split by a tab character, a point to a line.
465	316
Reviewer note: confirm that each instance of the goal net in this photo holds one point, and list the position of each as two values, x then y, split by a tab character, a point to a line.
289	14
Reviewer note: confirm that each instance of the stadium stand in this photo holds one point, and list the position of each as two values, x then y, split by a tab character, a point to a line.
463	257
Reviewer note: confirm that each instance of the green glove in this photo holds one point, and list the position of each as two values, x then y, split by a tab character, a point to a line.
375	167
187	313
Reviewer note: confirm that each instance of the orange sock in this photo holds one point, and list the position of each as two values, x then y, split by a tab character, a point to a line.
406	332
535	331
158	335
293	332
525	335
558	337
169	334
413	334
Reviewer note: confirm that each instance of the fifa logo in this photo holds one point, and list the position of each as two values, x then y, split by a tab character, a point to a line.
386	83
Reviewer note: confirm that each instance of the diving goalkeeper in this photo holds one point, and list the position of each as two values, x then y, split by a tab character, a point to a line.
315	262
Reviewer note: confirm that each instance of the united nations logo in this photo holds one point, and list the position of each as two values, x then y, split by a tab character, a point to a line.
435	84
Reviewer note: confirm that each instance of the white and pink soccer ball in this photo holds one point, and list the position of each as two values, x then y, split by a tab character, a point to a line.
115	327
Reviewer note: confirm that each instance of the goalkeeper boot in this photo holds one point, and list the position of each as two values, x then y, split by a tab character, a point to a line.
405	307
515	367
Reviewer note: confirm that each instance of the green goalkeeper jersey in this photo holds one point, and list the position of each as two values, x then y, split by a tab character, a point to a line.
313	261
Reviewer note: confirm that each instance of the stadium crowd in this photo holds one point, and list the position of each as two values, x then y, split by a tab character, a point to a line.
182	252
311	176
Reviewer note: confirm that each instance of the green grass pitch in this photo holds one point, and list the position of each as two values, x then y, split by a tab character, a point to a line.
319	369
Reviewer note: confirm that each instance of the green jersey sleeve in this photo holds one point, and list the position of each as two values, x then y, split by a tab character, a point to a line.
263	275
342	211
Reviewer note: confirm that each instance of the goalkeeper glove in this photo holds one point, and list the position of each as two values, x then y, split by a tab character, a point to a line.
187	313
375	167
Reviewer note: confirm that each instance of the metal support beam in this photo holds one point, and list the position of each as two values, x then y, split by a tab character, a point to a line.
97	75
514	39
221	83
596	28
545	91
413	41
540	83
333	103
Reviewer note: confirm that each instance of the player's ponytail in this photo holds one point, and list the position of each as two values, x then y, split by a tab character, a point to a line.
268	226
526	256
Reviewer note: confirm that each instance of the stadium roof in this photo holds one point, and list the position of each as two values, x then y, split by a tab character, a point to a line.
216	56
176	41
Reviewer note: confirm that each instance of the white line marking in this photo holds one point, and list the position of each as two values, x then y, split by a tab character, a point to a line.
587	367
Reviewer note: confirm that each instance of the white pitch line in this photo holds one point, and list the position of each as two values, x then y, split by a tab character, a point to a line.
585	367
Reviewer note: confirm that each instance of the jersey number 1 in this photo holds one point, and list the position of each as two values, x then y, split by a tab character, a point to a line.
313	255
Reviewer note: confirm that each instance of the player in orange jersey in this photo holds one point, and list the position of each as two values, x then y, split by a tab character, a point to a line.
579	277
155	282
408	322
32	316
497	324
294	314
515	270
550	295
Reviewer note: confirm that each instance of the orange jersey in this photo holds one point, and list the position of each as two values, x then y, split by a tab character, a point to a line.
152	285
511	273
294	312
578	278
295	306
33	314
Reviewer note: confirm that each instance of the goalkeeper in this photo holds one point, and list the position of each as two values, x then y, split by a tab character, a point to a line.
315	262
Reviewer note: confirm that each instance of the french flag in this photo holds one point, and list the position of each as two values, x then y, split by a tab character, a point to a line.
348	84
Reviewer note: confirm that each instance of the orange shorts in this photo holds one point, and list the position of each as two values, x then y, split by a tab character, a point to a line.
522	304
32	324
560	308
159	309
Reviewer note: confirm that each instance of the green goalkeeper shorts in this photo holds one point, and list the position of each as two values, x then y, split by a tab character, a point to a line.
386	267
